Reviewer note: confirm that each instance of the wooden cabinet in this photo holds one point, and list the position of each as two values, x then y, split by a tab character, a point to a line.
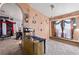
27	47
31	44
33	47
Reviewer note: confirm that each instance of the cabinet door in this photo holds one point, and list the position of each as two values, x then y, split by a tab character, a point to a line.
28	47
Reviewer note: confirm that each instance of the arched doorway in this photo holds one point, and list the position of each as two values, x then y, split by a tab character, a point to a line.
14	12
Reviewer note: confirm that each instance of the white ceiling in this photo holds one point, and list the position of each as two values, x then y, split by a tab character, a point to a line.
42	7
59	8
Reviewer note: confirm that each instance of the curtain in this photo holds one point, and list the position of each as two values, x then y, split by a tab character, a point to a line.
67	28
73	25
58	29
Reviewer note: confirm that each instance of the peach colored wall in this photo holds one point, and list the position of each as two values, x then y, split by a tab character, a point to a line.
42	22
76	33
50	29
25	7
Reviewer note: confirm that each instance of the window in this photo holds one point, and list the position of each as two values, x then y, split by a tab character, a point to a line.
65	28
58	29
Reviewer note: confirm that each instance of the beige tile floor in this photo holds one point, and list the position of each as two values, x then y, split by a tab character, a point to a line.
11	47
59	48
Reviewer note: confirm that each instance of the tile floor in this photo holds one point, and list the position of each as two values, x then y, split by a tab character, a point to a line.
11	47
59	48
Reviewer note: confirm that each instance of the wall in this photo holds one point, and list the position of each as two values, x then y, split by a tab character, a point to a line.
42	22
76	33
25	9
24	6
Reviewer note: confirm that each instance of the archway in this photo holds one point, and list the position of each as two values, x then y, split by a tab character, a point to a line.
14	12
